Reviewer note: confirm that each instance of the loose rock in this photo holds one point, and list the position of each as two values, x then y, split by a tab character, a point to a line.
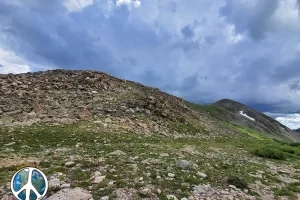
74	194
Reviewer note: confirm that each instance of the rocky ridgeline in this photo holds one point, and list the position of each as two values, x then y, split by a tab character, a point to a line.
65	97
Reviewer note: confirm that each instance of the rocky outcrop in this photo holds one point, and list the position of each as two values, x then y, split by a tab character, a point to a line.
57	95
65	97
75	194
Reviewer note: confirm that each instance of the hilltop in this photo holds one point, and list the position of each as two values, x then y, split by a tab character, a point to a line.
66	97
97	136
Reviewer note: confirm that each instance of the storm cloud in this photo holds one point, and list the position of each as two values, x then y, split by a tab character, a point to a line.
203	51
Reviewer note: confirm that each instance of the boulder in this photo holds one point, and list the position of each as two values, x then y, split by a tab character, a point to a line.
74	194
184	164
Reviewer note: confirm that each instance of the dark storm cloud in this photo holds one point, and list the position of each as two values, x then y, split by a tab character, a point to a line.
295	86
188	32
45	34
202	50
189	83
210	40
252	19
288	71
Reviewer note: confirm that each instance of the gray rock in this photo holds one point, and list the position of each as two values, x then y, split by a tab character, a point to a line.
171	197
120	195
256	175
123	107
288	180
99	179
184	164
74	194
108	120
8	197
2	190
145	191
232	187
164	155
104	198
130	110
117	153
97	173
65	185
31	115
151	98
204	189
9	144
110	183
54	183
201	174
70	164
34	162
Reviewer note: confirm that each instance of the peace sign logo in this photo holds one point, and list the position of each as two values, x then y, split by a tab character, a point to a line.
29	184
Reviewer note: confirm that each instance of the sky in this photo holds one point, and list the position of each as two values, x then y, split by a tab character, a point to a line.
203	51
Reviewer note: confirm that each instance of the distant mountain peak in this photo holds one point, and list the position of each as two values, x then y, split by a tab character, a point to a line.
297	130
246	116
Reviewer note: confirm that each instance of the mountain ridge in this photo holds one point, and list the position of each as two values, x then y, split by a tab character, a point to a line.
297	130
66	96
63	96
254	119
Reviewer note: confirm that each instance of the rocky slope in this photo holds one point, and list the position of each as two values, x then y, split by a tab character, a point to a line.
243	115
62	97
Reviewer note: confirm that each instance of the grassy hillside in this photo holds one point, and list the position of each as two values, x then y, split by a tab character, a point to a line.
141	161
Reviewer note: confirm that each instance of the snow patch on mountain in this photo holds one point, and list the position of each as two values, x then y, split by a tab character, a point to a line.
245	115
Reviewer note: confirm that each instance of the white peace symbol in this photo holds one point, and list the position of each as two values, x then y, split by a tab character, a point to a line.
29	187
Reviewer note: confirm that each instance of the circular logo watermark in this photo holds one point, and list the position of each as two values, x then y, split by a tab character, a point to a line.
29	184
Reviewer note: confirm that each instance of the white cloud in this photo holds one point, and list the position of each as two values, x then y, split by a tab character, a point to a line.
10	63
287	16
290	120
232	36
134	3
77	5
